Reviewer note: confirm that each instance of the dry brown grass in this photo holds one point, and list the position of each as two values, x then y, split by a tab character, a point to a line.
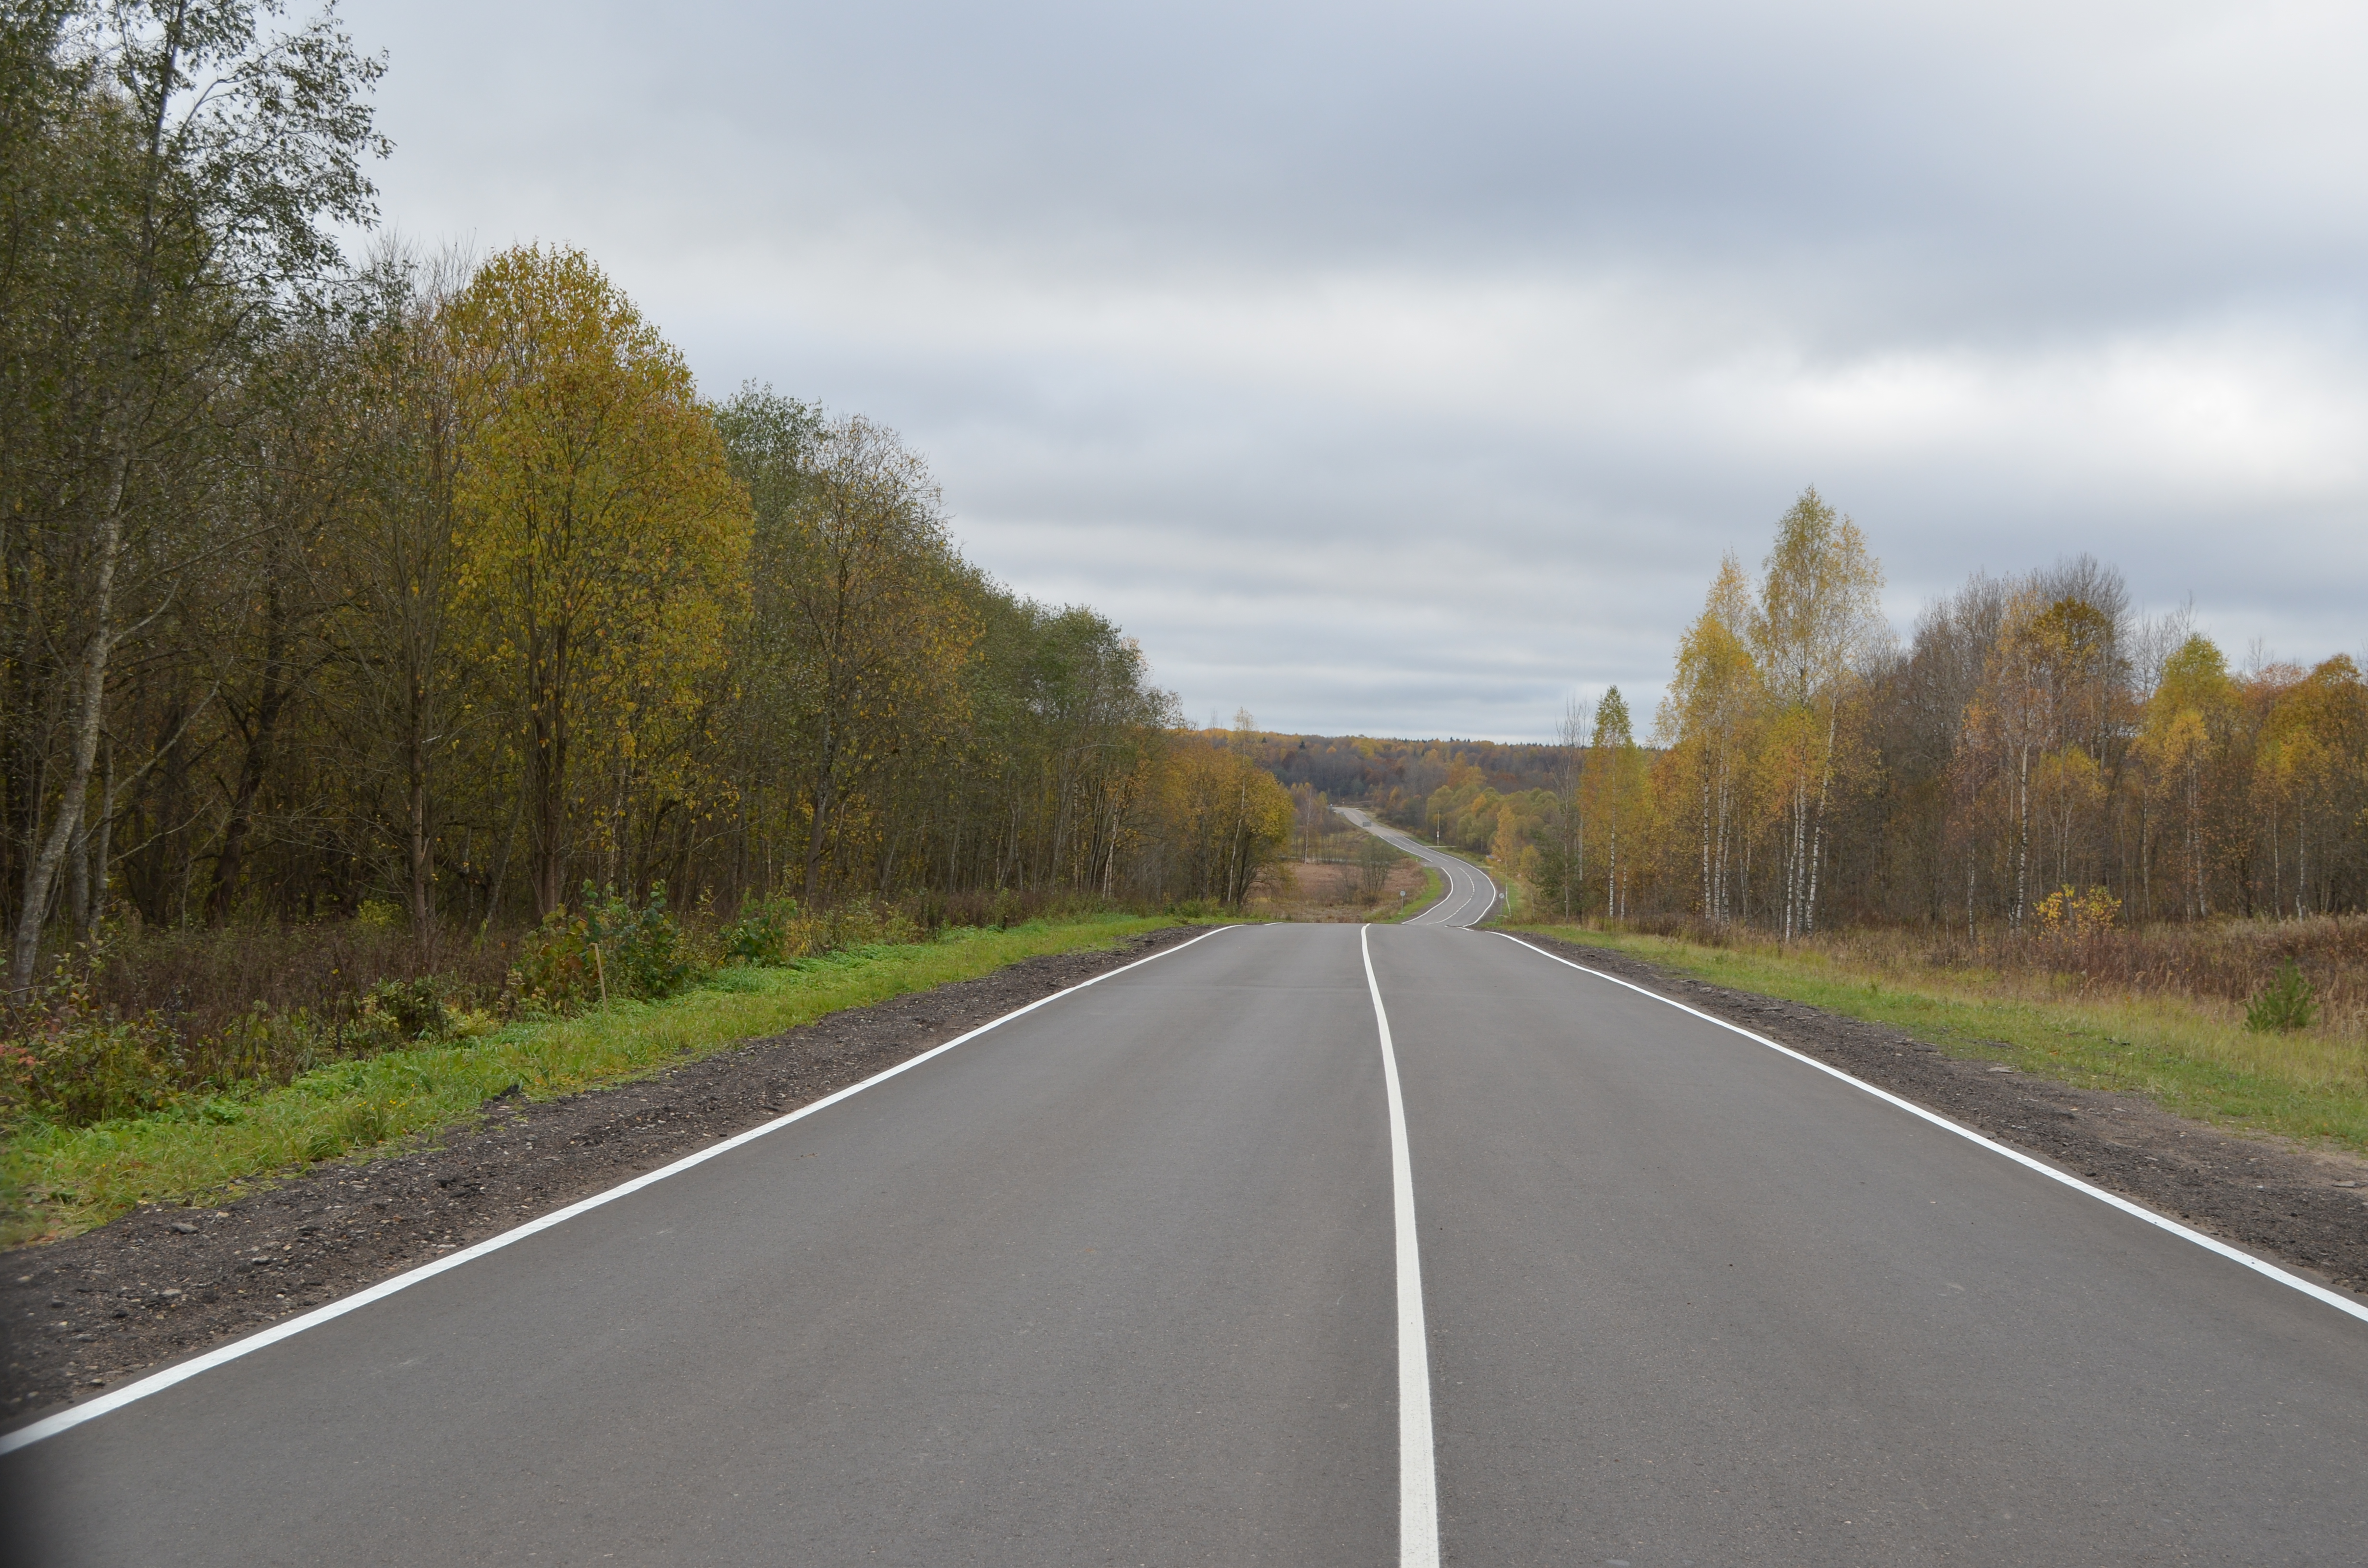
2159	1013
1330	890
2218	964
199	983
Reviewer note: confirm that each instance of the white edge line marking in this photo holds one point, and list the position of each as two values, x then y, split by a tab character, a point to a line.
1438	914
74	1416
2208	1243
1417	1468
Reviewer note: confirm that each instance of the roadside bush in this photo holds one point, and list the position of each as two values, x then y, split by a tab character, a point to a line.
2285	1003
999	908
70	1060
415	1007
554	971
642	947
764	932
776	931
2069	915
92	1070
609	950
266	1044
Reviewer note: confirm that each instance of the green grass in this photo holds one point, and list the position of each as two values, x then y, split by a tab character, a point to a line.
1434	888
2192	1057
61	1181
1487	867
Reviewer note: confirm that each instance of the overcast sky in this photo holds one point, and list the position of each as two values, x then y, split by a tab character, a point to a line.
1405	370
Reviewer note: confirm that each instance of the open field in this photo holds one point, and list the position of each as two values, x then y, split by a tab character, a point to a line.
2174	1033
59	1180
1341	888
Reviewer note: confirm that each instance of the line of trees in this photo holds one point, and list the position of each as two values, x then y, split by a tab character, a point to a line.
438	584
2030	735
1809	767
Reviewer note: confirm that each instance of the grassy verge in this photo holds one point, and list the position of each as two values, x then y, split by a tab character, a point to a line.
1486	868
60	1181
2192	1057
1434	888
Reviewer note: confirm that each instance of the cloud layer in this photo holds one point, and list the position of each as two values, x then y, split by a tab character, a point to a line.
1404	370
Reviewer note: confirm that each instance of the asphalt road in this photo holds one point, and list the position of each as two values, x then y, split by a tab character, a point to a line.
1117	1282
1470	897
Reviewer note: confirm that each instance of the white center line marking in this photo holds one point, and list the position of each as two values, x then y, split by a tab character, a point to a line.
1418	1470
2272	1270
1465	882
74	1416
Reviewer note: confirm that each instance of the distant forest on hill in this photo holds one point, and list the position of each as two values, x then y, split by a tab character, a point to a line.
1398	777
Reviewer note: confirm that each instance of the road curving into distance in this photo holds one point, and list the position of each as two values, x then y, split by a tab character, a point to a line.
1471	897
1122	1280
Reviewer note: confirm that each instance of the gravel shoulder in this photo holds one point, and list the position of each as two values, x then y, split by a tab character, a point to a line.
86	1314
2307	1208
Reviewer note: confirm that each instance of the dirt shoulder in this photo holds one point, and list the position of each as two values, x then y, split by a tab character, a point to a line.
2305	1207
86	1314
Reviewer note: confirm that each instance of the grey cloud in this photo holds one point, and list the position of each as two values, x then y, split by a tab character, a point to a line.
1399	369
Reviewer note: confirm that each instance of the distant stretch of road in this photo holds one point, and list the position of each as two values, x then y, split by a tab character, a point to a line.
1299	1244
1470	898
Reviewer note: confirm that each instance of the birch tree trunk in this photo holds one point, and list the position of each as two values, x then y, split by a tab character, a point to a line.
90	713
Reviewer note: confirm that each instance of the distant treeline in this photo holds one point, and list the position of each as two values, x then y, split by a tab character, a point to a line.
1398	777
438	585
2032	753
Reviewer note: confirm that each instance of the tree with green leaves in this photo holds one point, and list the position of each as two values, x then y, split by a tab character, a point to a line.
859	634
172	174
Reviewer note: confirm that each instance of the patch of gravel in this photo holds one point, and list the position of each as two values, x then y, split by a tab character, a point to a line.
86	1314
2306	1209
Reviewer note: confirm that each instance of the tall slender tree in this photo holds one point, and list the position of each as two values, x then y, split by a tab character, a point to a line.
1820	620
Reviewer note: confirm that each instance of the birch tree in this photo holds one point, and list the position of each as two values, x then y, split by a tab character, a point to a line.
401	560
2186	723
1705	719
1612	796
173	174
1818	619
1562	858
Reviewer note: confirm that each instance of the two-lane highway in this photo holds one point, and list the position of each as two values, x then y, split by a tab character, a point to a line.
1471	896
1118	1282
